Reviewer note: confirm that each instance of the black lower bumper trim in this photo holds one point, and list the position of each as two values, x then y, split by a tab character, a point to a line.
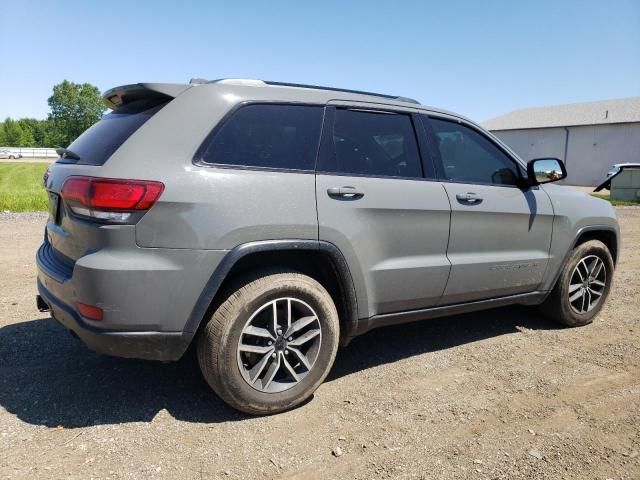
49	262
164	346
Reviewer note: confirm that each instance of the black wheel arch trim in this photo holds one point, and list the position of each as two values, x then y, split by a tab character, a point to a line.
214	283
581	231
597	228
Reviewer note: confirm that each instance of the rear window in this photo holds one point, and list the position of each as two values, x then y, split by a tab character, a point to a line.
268	136
101	140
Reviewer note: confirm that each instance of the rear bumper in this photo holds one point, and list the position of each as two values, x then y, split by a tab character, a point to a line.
147	296
165	346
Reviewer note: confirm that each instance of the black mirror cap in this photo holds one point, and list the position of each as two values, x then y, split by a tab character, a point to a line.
531	175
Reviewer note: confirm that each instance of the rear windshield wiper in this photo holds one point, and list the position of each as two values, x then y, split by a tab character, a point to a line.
66	153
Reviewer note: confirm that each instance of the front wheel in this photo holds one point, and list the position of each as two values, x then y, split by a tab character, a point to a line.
271	343
583	286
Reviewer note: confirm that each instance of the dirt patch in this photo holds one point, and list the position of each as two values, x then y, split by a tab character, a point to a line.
497	394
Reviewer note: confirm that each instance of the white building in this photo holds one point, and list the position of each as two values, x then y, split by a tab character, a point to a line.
589	137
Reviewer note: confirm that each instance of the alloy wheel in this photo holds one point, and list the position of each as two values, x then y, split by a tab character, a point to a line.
587	284
279	345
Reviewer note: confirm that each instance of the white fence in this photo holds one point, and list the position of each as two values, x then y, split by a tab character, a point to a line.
32	152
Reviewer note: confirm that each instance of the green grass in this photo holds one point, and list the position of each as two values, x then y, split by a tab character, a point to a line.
21	187
616	203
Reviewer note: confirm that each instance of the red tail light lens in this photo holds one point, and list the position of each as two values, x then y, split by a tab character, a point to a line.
112	194
108	198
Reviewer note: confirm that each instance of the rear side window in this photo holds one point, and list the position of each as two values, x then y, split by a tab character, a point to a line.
101	140
373	143
268	136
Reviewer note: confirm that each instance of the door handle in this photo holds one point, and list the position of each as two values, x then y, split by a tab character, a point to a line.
469	198
345	192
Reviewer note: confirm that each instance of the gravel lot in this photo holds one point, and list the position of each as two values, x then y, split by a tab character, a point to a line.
498	394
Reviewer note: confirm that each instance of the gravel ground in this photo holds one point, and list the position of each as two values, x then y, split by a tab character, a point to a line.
498	394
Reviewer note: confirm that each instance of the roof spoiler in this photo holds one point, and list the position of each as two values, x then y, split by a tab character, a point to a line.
155	92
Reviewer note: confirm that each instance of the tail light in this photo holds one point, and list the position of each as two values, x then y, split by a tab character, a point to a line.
110	199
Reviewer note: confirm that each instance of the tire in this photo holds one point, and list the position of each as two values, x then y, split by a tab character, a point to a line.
557	306
227	367
11	157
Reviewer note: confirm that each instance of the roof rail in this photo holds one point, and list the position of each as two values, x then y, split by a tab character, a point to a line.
407	100
253	82
250	82
346	90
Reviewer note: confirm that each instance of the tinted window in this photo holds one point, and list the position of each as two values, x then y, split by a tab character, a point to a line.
468	156
100	141
273	136
371	143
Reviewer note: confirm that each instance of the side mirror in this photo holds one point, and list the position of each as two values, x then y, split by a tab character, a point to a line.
545	170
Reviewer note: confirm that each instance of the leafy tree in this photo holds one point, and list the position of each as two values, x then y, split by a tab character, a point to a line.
39	131
74	108
13	134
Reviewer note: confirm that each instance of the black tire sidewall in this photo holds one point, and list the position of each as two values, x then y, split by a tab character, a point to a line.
568	315
232	386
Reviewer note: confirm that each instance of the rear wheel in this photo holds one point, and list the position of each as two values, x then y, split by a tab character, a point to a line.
583	286
271	343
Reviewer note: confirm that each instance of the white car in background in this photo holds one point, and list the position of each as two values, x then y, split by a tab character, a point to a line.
615	170
4	153
618	166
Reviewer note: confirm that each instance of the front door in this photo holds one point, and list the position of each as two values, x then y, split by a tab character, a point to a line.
500	230
379	205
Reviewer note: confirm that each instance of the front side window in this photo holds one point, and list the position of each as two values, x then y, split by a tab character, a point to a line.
469	157
270	136
373	143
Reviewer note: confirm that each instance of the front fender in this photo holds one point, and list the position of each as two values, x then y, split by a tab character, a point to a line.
575	213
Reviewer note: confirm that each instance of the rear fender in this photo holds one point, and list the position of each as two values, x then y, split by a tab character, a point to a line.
212	287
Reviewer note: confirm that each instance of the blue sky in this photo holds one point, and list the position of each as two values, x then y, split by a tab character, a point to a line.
478	58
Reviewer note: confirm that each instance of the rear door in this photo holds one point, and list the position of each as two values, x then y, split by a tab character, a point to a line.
378	203
500	230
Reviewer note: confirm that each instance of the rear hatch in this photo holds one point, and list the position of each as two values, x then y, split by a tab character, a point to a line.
86	210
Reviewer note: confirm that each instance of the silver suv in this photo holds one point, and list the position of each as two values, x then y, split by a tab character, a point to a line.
269	223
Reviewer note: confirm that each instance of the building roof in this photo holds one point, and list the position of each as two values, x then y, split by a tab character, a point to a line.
623	110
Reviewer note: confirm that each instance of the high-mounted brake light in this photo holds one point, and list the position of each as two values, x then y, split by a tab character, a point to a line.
110	199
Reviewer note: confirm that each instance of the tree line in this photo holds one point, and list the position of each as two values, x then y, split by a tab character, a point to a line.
74	107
